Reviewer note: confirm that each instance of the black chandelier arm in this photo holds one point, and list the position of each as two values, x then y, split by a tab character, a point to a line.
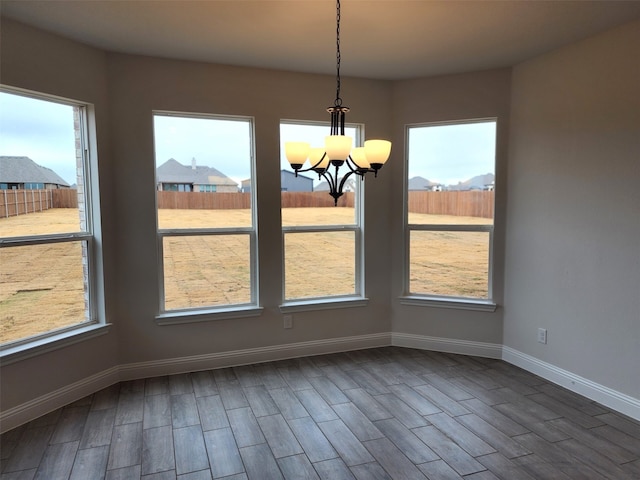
344	179
312	167
355	168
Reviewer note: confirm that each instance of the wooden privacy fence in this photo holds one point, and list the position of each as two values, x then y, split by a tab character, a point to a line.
466	204
315	199
469	203
225	201
20	202
203	200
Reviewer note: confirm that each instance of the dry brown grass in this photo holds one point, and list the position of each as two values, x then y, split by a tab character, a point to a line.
41	288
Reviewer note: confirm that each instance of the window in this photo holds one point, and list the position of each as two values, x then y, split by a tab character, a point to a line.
47	247
449	209
322	242
206	225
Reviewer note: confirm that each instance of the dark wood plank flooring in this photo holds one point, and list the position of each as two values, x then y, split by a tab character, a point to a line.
383	413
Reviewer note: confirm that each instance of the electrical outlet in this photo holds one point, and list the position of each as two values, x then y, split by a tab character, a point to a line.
288	321
542	335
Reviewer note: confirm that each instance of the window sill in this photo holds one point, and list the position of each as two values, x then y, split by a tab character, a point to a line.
12	354
323	304
455	303
197	316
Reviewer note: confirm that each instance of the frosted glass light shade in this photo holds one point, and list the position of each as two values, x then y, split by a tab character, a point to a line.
337	147
315	155
296	152
377	151
359	157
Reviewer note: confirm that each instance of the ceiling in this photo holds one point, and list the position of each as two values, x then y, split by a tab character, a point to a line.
381	39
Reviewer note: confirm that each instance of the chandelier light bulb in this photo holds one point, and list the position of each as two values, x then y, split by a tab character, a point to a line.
377	151
317	158
359	157
297	153
338	147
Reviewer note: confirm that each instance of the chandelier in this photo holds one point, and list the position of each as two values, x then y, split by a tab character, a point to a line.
337	151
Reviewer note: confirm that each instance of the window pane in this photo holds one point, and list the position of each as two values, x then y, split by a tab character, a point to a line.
203	172
451	174
305	198
206	270
319	264
449	263
41	168
42	288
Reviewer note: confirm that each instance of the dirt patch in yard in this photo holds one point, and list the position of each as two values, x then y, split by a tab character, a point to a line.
42	287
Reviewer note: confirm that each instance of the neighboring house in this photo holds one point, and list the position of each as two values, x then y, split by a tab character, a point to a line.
245	186
290	183
22	173
479	182
421	183
176	177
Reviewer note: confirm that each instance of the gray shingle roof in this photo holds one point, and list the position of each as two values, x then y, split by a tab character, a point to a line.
420	183
25	170
173	171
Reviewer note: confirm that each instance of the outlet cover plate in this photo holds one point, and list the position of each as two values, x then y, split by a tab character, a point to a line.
542	335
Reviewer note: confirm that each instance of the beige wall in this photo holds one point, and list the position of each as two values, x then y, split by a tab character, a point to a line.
573	237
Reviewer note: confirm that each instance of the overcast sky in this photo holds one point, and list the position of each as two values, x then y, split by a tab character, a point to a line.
43	131
452	153
221	144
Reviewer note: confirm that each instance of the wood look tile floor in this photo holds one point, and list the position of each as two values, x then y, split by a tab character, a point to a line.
383	413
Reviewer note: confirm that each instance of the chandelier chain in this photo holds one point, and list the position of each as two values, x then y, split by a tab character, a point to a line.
338	101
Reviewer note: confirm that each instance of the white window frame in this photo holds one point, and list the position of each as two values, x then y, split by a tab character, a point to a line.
213	312
94	324
430	299
357	299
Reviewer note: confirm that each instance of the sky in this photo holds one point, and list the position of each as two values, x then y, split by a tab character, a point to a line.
222	144
40	130
43	131
452	153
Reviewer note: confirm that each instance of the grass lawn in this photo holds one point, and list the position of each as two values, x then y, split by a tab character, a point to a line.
42	287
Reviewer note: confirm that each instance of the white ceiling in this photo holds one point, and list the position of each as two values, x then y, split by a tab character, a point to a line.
382	39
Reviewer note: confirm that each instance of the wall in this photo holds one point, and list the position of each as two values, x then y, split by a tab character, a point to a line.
139	85
35	60
573	237
437	99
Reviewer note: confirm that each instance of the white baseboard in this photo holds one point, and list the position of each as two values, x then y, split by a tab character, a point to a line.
448	345
32	409
209	361
613	399
37	407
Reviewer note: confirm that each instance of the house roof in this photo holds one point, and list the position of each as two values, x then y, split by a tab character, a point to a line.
420	183
25	170
173	171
